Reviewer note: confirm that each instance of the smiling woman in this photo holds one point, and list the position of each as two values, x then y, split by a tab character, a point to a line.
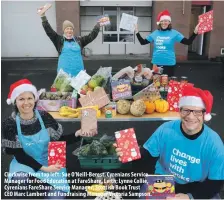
26	135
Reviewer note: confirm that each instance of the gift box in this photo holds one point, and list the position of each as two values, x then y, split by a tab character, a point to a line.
150	93
126	140
88	121
96	98
57	153
206	22
121	89
175	93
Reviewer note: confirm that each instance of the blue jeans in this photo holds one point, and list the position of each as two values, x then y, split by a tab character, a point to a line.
25	180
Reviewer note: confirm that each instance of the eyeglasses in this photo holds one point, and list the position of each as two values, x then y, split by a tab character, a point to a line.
158	188
197	113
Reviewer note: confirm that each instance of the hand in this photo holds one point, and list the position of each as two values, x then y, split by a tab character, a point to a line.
118	151
196	28
179	196
136	28
39	11
90	134
52	168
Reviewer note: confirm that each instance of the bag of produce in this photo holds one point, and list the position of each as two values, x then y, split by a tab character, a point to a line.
97	147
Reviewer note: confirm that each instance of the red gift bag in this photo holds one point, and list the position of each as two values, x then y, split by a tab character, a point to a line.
57	153
206	22
174	93
126	140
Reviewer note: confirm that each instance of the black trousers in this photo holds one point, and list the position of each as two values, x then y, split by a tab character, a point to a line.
169	70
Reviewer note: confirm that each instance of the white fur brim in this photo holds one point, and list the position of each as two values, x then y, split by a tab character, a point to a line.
20	89
165	17
191	101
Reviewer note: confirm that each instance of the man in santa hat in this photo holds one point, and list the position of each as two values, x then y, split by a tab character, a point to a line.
164	39
188	149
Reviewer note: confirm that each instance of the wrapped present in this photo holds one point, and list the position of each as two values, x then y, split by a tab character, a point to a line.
206	22
174	93
57	153
96	98
121	89
126	140
88	121
150	93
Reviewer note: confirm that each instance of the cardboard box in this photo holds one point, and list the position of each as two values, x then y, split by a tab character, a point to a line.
121	89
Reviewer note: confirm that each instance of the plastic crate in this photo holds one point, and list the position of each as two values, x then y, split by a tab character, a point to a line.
107	162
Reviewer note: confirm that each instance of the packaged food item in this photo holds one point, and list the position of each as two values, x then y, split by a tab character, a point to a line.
112	106
126	140
104	20
164	80
121	89
156	80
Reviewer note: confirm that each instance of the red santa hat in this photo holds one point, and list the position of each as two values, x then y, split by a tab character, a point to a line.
192	96
164	15
17	88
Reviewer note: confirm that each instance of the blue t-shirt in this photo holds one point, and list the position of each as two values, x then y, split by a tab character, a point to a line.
164	46
188	160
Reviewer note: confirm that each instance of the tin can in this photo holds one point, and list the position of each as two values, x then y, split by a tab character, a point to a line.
108	114
53	89
156	80
183	79
164	80
173	78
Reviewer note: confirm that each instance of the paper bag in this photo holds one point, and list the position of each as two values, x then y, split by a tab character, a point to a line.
88	121
97	98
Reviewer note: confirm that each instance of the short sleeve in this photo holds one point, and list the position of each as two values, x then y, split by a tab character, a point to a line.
153	143
216	169
178	37
150	37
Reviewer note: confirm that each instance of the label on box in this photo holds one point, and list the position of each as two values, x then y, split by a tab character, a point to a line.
121	89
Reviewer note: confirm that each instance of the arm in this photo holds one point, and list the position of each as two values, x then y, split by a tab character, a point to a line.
204	190
23	158
55	38
188	41
89	38
141	40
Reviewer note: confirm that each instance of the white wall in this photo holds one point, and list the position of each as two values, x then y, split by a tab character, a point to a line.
22	31
115	3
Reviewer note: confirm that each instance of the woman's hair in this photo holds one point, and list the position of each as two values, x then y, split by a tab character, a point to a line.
168	28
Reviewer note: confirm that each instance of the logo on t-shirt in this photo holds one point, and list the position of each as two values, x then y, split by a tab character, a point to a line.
178	163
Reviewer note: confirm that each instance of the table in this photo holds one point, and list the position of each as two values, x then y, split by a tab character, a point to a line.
146	117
